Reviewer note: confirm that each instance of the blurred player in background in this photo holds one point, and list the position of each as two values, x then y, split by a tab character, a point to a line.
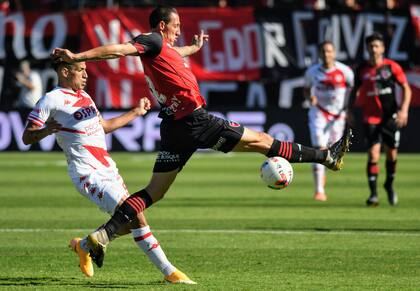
327	87
70	113
186	126
382	116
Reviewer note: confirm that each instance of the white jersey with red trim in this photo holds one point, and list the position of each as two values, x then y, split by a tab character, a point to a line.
330	86
82	136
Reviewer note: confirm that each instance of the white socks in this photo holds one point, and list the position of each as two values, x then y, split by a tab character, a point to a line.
319	177
151	247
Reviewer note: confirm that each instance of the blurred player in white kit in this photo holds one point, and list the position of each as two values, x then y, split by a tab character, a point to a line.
327	87
80	130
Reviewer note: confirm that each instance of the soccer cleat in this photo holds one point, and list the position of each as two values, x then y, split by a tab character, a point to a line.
320	197
392	196
85	261
177	277
96	248
372	201
336	152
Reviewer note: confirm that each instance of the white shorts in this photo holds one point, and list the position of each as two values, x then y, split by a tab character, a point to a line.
325	129
105	188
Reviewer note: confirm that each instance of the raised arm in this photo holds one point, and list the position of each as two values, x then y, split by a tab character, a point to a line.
34	133
111	51
113	124
197	43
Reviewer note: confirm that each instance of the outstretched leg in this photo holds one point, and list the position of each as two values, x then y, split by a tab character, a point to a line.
263	143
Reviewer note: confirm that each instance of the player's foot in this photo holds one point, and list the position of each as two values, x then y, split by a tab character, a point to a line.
392	196
178	277
85	262
96	248
337	151
320	196
372	201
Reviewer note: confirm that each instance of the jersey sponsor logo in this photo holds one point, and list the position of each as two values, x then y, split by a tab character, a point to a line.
219	143
66	102
385	74
84	112
167	157
234	124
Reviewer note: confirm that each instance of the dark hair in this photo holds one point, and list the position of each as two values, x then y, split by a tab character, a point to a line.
325	42
374	36
56	65
161	13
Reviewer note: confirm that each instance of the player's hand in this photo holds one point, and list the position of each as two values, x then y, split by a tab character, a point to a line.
143	107
62	55
198	40
52	126
402	118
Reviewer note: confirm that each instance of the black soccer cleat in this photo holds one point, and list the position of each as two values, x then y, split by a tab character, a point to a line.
336	152
96	249
392	196
372	201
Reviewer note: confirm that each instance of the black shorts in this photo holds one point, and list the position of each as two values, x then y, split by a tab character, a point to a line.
199	130
386	132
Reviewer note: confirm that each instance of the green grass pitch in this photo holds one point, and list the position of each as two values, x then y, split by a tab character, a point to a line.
219	224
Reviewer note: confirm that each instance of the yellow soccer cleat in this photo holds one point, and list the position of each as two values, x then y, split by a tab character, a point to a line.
85	261
177	277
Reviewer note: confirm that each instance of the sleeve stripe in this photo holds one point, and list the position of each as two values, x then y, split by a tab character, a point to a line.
35	120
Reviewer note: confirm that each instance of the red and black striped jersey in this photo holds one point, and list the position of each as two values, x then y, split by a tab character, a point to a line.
376	90
168	76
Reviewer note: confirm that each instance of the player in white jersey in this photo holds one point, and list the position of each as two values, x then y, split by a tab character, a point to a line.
71	114
327	86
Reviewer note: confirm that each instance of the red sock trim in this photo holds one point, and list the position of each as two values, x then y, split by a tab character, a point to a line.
142	237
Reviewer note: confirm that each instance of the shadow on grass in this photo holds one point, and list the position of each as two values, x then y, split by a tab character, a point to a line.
54	281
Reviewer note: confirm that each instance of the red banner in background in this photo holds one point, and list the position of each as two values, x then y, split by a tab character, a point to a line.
415	19
232	53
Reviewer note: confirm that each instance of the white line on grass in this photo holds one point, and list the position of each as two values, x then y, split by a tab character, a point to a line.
233	231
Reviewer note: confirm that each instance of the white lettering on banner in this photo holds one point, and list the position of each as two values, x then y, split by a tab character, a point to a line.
256	96
209	64
249	31
114	29
1	78
141	134
300	38
207	87
286	91
5	131
232	40
127	136
59	23
133	63
397	36
18	22
151	131
238	47
352	38
17	129
352	34
253	120
48	76
282	131
274	39
103	96
126	93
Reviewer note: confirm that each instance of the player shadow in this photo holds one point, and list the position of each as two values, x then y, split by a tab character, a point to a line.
70	281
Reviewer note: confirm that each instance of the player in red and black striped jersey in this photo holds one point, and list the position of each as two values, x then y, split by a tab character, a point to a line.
382	115
186	126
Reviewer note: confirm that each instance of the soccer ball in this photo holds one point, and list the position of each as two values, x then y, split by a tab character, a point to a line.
276	172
